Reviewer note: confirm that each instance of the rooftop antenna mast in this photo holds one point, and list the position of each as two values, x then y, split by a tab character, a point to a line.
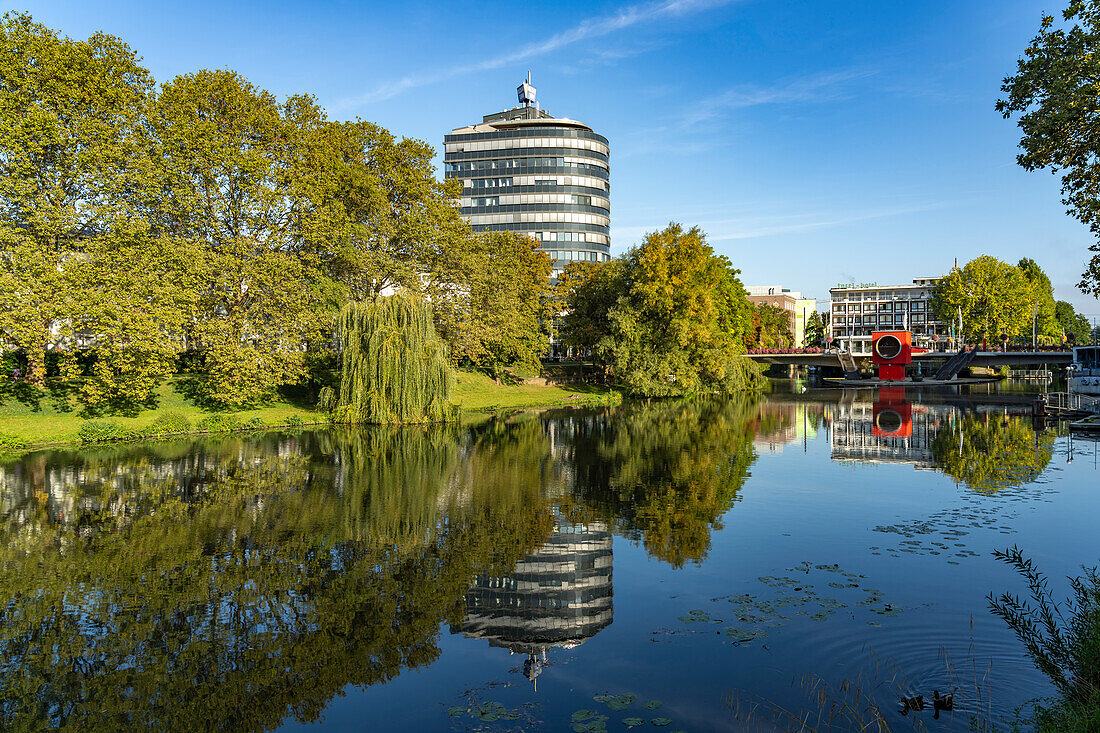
526	93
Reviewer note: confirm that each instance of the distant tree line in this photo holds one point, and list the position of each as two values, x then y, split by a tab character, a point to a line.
998	299
204	225
668	317
206	218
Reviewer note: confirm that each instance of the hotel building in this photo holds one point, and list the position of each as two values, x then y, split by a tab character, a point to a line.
858	309
524	170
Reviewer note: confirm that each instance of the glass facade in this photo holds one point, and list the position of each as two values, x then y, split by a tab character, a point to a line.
527	172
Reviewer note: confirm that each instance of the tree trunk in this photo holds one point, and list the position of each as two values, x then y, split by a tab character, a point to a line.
36	364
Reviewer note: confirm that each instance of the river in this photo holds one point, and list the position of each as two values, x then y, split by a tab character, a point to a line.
698	565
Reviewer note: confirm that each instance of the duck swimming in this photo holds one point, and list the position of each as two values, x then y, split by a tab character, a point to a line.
946	703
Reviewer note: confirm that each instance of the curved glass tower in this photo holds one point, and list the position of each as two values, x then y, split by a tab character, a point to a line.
526	171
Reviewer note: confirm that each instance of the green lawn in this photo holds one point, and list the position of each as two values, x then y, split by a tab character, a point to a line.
56	418
475	391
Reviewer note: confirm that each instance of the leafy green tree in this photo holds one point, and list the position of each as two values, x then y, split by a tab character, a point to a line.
1046	324
1076	326
586	292
134	294
225	149
395	367
771	327
372	208
995	298
815	331
1053	93
73	165
677	322
496	309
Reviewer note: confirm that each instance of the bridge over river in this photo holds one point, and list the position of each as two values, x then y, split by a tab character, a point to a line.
982	358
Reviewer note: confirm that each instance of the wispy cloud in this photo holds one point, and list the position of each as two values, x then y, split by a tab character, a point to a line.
587	29
815	89
753	227
601	57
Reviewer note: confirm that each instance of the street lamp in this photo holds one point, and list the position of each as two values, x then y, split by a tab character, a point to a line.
1034	332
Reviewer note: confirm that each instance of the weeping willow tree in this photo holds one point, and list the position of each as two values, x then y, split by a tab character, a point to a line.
395	367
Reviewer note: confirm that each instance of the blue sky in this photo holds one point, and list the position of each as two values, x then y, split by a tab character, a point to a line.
815	142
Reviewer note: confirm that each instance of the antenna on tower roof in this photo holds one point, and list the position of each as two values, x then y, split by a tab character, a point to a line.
526	92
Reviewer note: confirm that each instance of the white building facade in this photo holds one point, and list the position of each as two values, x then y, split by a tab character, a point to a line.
858	309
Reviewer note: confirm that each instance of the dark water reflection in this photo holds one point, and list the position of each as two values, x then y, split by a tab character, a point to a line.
258	582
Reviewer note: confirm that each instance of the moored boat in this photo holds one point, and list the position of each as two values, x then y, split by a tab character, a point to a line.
1084	372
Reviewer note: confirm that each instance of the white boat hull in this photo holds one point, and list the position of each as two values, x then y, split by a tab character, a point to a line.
1085	384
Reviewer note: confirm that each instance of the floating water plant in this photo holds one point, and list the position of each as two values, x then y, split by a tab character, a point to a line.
595	725
798	596
395	367
621	702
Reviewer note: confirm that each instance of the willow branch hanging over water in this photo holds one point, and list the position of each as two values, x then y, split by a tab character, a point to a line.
395	366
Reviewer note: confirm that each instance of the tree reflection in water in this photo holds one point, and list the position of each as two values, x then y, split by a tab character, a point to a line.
248	582
985	450
663	473
238	582
989	452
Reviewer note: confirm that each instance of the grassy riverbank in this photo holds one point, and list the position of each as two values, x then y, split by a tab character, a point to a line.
475	391
54	417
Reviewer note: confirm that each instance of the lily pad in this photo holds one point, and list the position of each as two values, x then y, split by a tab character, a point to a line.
739	635
632	722
597	724
651	704
661	722
582	715
621	702
456	711
601	698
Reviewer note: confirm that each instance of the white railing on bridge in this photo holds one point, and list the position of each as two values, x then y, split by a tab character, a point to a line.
1044	374
1072	402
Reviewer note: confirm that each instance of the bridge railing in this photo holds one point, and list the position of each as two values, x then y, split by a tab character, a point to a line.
1072	402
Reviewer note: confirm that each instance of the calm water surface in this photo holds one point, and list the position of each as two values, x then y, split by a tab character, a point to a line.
693	565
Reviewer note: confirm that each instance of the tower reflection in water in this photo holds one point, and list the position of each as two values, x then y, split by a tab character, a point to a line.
558	596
